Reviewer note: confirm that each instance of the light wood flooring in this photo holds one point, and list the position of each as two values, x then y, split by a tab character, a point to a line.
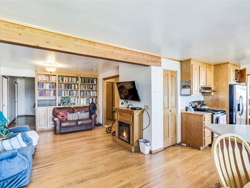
92	159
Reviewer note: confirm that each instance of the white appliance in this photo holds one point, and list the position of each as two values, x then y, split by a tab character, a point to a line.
237	104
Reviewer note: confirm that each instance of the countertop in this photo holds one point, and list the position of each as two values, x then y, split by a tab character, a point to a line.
196	112
241	130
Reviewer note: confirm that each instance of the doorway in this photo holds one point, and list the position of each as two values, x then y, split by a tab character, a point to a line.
5	97
110	99
16	99
169	108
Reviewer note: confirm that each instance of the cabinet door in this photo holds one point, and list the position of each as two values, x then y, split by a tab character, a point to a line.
203	76
210	77
195	79
232	74
50	120
42	118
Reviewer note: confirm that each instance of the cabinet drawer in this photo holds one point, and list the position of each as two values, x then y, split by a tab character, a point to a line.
207	119
207	133
207	141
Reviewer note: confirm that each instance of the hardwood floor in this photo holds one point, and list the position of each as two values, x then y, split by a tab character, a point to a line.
92	159
24	120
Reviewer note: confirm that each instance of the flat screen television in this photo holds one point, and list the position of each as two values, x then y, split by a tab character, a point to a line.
128	91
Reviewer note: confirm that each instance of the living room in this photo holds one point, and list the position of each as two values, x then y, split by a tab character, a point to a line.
118	97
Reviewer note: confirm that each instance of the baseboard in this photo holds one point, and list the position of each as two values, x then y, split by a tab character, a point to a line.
12	121
26	116
157	150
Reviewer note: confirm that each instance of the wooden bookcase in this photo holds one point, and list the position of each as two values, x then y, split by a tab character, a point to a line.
50	87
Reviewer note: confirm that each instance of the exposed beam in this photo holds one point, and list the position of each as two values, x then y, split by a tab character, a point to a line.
15	33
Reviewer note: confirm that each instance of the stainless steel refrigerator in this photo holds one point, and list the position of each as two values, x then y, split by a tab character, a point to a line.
237	104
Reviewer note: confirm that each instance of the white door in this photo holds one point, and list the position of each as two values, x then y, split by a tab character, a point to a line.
16	98
5	97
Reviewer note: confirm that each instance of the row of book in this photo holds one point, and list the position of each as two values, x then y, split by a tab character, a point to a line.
68	86
85	101
89	80
82	86
46	78
47	93
67	79
46	85
88	93
67	93
46	102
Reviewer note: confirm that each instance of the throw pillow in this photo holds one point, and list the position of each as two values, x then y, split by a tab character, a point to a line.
72	116
62	116
83	115
13	143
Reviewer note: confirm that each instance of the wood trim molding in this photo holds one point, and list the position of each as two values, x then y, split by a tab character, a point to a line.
157	150
23	35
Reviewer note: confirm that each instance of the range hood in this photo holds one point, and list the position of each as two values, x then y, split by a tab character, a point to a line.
207	90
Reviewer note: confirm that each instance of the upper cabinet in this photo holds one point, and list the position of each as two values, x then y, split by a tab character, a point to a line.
200	74
236	74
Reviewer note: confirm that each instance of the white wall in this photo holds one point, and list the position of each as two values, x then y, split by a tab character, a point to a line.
101	76
11	99
26	96
142	76
18	72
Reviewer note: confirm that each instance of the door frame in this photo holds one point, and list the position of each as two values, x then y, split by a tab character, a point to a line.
247	102
16	103
7	94
104	92
177	105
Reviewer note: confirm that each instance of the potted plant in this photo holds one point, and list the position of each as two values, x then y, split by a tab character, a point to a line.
65	101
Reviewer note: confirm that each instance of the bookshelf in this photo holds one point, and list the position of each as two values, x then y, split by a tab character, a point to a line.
51	87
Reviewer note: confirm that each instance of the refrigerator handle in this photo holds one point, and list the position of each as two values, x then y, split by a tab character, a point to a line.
241	106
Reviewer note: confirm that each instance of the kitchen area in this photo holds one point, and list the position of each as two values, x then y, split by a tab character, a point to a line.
213	94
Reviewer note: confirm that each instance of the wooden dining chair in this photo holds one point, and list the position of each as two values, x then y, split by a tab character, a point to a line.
231	160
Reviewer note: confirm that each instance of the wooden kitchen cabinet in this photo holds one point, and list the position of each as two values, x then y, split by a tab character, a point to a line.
193	131
203	76
200	74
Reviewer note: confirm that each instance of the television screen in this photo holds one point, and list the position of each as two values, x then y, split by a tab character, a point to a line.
128	91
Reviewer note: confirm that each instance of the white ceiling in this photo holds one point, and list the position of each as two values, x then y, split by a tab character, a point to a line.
210	31
19	57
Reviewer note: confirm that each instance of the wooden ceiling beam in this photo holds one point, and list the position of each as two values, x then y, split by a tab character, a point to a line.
18	34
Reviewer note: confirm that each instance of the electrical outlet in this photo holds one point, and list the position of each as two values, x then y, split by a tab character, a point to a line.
146	107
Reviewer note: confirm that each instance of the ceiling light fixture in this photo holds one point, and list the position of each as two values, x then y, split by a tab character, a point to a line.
50	66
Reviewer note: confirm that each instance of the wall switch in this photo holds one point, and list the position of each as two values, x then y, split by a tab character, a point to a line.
146	107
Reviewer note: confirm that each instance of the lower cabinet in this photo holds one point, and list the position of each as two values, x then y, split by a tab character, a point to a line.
44	119
193	131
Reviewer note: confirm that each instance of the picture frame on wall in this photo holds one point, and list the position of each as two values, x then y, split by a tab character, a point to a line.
186	88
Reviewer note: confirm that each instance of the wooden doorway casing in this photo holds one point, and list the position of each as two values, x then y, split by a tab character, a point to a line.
104	93
169	108
5	97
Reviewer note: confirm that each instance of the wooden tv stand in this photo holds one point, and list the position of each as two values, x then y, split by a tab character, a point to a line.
135	119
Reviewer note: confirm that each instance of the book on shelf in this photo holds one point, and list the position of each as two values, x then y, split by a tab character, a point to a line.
89	100
88	93
67	93
68	86
46	85
67	79
89	80
83	86
46	102
47	93
46	78
73	100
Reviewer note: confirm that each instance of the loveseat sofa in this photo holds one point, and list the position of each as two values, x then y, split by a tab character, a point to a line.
73	125
16	164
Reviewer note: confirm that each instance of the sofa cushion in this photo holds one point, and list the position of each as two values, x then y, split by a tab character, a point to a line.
27	152
72	116
83	115
68	123
84	121
61	109
14	143
62	116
